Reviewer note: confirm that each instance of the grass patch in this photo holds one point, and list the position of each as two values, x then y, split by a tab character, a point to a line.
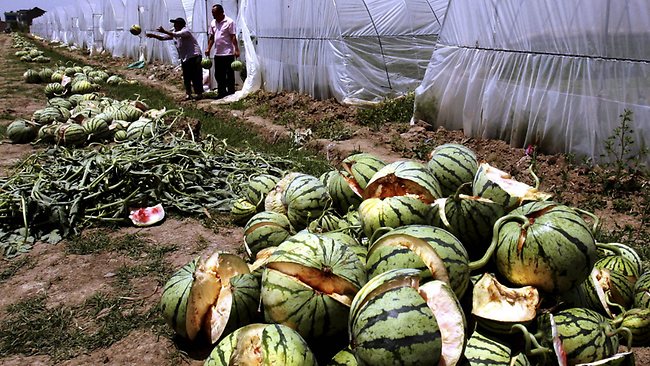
397	110
31	328
151	263
14	266
99	241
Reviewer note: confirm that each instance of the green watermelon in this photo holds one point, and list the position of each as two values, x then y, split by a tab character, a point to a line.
262	344
452	165
309	283
22	131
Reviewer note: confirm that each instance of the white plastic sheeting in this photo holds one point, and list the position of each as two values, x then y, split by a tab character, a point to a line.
353	50
556	74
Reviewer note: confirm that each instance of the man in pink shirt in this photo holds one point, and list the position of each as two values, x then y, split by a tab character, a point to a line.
189	52
222	34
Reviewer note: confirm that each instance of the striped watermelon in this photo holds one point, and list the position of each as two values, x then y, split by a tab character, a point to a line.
262	344
75	98
391	323
327	221
344	358
54	89
486	350
60	102
403	178
584	335
31	77
376	213
500	187
176	293
258	187
241	309
206	63
53	114
96	128
265	229
497	308
141	129
82	87
642	291
638	322
274	200
469	218
452	165
45	74
606	249
223	293
544	244
325	177
305	199
241	210
344	196
47	133
57	77
595	293
620	264
309	283
71	134
361	168
425	248
22	131
357	248
119	136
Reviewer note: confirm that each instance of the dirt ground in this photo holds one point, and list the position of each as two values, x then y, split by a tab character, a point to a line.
70	279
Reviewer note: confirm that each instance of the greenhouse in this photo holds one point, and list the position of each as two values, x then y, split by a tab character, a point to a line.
355	51
541	73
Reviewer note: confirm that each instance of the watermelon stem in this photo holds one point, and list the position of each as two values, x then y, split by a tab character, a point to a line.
627	334
613	248
495	239
462	188
613	304
24	209
529	340
379	232
535	177
593	217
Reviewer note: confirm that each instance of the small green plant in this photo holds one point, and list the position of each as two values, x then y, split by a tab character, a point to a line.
621	152
622	205
98	241
398	110
3	131
330	128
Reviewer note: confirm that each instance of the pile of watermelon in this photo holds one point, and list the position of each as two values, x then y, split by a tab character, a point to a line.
81	119
444	263
28	51
76	115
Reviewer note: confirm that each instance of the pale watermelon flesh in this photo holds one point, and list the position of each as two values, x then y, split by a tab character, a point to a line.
147	216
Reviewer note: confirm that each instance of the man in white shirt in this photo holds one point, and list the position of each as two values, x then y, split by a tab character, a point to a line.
189	52
222	34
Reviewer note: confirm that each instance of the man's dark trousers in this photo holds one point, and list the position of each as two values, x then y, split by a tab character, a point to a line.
224	75
193	75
